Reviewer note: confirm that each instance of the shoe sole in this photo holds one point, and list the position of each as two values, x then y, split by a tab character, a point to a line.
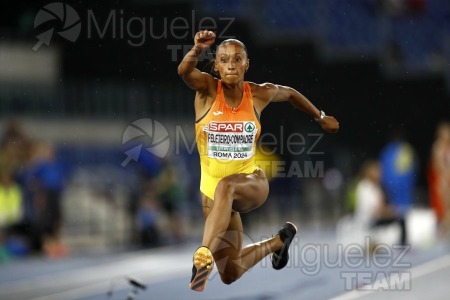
203	263
295	227
278	257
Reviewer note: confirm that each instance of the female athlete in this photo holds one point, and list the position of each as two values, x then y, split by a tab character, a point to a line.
227	128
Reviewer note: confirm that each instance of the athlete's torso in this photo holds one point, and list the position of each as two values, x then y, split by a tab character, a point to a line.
226	137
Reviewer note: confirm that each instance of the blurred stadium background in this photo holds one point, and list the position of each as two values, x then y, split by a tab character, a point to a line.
87	87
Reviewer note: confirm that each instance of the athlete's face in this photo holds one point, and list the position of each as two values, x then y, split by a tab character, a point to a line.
231	62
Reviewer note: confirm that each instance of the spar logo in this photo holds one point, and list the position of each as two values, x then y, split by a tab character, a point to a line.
225	127
249	127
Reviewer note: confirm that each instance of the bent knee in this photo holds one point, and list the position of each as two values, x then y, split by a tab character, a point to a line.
230	277
228	280
226	186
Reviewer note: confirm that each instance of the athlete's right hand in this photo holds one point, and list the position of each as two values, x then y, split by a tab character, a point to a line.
204	39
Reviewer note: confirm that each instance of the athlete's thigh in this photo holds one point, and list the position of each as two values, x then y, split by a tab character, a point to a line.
250	190
230	241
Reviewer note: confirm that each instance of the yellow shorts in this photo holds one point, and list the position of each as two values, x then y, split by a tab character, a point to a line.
208	183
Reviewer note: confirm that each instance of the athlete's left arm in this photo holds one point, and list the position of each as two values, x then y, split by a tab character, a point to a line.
269	92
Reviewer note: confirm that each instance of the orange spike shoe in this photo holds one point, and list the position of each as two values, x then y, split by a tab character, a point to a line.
203	266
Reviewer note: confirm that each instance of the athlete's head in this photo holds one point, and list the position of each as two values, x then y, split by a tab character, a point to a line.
231	60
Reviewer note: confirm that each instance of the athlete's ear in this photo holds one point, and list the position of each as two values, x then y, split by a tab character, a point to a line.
215	67
247	65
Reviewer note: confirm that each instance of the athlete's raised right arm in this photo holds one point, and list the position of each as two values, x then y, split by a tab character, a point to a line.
195	79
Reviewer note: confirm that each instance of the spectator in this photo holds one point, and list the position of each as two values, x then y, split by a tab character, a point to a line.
16	147
170	196
371	208
369	197
398	176
147	219
10	197
15	144
12	237
439	177
48	184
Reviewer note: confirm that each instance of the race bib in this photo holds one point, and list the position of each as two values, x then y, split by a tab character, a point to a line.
230	140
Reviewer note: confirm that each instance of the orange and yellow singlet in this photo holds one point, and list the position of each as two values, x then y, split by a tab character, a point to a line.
226	140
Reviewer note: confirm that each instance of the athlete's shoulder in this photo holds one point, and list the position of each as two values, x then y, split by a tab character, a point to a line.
262	87
211	91
262	91
213	82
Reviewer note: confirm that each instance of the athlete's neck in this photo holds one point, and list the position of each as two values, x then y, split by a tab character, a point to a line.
233	93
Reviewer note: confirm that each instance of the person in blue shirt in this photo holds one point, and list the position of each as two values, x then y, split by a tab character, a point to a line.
398	177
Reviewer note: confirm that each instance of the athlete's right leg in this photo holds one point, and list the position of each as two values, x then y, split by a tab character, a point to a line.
231	260
237	192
